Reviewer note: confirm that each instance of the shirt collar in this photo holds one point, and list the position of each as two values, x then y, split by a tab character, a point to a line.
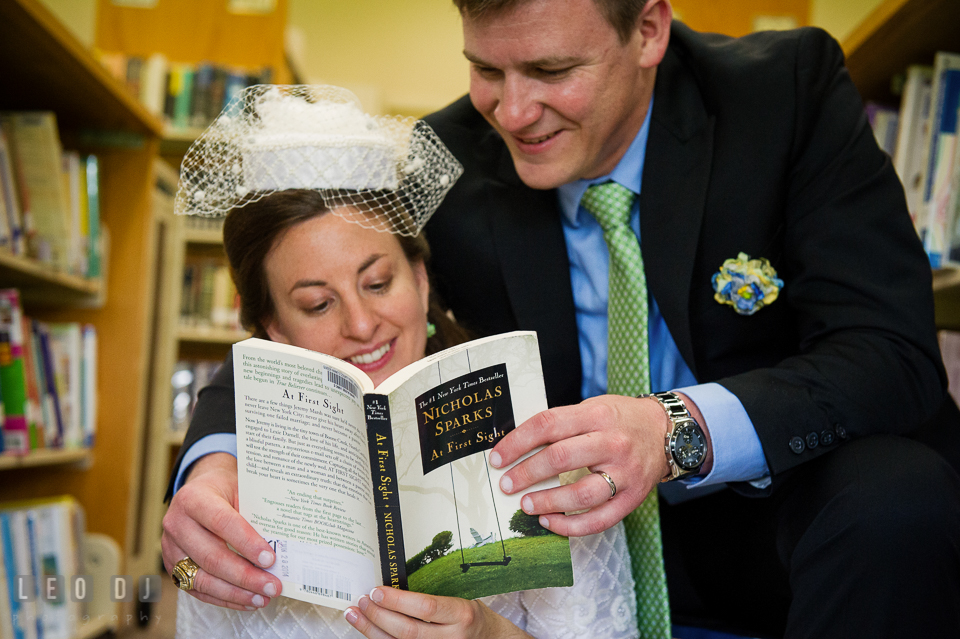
628	173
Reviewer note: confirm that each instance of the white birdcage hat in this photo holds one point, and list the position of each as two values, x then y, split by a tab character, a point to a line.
388	173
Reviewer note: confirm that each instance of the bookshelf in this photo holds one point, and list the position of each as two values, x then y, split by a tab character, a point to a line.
46	68
896	34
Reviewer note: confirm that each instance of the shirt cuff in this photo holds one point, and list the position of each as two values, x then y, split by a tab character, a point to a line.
216	443
737	453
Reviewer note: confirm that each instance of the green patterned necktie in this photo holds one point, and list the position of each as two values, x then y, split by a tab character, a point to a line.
628	373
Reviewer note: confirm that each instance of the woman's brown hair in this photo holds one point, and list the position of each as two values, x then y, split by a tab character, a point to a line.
250	231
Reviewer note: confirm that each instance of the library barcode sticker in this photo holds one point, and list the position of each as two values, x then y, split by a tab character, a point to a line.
321	571
343	382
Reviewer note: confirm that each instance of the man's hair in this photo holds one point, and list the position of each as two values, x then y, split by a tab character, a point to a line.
621	14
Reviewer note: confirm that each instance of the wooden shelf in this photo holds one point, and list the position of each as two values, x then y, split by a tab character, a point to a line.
46	67
45	457
207	335
896	34
176	141
25	272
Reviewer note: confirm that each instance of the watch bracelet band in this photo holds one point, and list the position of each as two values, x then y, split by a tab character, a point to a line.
676	411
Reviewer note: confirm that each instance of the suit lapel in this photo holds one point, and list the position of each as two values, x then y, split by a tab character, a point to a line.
673	194
536	272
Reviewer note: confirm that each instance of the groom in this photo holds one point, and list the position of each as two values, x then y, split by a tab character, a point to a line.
828	502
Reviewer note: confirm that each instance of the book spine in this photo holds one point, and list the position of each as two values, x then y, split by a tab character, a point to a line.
9	558
16	429
49	374
383	471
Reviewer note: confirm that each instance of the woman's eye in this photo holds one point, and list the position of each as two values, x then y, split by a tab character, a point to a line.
319	308
380	286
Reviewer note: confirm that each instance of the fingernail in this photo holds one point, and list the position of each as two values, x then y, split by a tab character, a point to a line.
376	596
364	602
265	558
270	589
527	504
506	484
544	522
258	601
249	607
495	460
350	615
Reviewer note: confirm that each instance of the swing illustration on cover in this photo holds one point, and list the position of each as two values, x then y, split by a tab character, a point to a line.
464	416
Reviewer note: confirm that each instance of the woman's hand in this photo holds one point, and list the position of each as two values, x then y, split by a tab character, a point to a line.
388	612
201	521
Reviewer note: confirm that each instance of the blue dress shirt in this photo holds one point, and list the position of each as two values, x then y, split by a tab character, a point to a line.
737	454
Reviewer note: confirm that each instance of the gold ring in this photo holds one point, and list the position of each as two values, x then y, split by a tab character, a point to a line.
613	486
185	573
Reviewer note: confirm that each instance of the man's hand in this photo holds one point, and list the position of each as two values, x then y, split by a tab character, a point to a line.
202	519
621	436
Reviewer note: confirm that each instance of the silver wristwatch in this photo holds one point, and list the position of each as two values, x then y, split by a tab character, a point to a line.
685	444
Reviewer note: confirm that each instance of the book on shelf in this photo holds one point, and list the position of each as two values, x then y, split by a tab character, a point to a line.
357	486
913	129
208	296
48	376
884	121
42	538
939	150
187	95
189	377
51	196
11	215
6	604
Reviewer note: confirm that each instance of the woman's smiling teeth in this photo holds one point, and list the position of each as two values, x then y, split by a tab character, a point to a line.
542	138
370	358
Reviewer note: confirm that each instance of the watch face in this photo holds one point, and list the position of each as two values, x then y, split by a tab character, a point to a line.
688	446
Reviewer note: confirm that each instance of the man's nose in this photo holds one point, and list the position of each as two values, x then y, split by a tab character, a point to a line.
519	105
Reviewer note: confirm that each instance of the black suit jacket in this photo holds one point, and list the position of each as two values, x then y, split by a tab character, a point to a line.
756	145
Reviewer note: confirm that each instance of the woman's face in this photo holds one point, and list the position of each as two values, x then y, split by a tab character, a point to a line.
350	292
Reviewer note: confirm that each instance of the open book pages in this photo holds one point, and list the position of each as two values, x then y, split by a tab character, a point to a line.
357	487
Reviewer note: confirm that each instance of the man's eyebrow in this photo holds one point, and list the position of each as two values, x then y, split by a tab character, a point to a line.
367	263
547	62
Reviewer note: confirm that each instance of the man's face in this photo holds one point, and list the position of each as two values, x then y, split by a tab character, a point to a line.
554	79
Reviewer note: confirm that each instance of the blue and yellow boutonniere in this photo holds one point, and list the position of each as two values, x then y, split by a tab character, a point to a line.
746	285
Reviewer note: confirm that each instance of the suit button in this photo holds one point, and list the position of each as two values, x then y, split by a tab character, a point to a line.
812	441
826	437
797	445
841	431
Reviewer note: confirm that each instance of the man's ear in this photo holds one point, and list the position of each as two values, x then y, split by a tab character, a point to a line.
653	26
275	332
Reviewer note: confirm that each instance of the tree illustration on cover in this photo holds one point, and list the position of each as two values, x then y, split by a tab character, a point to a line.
459	418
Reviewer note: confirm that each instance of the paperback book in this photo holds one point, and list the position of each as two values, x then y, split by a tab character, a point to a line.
356	486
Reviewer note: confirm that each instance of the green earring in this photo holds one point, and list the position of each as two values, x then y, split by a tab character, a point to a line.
431	329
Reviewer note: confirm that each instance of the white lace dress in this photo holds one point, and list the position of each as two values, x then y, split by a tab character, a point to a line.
600	604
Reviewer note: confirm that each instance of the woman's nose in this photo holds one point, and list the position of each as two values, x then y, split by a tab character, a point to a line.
360	319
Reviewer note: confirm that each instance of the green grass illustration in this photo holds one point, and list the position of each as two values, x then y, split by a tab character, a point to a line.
536	562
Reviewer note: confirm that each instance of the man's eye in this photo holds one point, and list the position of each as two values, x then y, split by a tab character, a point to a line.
321	307
553	73
487	72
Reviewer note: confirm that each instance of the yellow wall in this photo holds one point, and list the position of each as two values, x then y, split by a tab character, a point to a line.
400	56
404	56
840	18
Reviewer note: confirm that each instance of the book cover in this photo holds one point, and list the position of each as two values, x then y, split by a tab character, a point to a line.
22	194
356	486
